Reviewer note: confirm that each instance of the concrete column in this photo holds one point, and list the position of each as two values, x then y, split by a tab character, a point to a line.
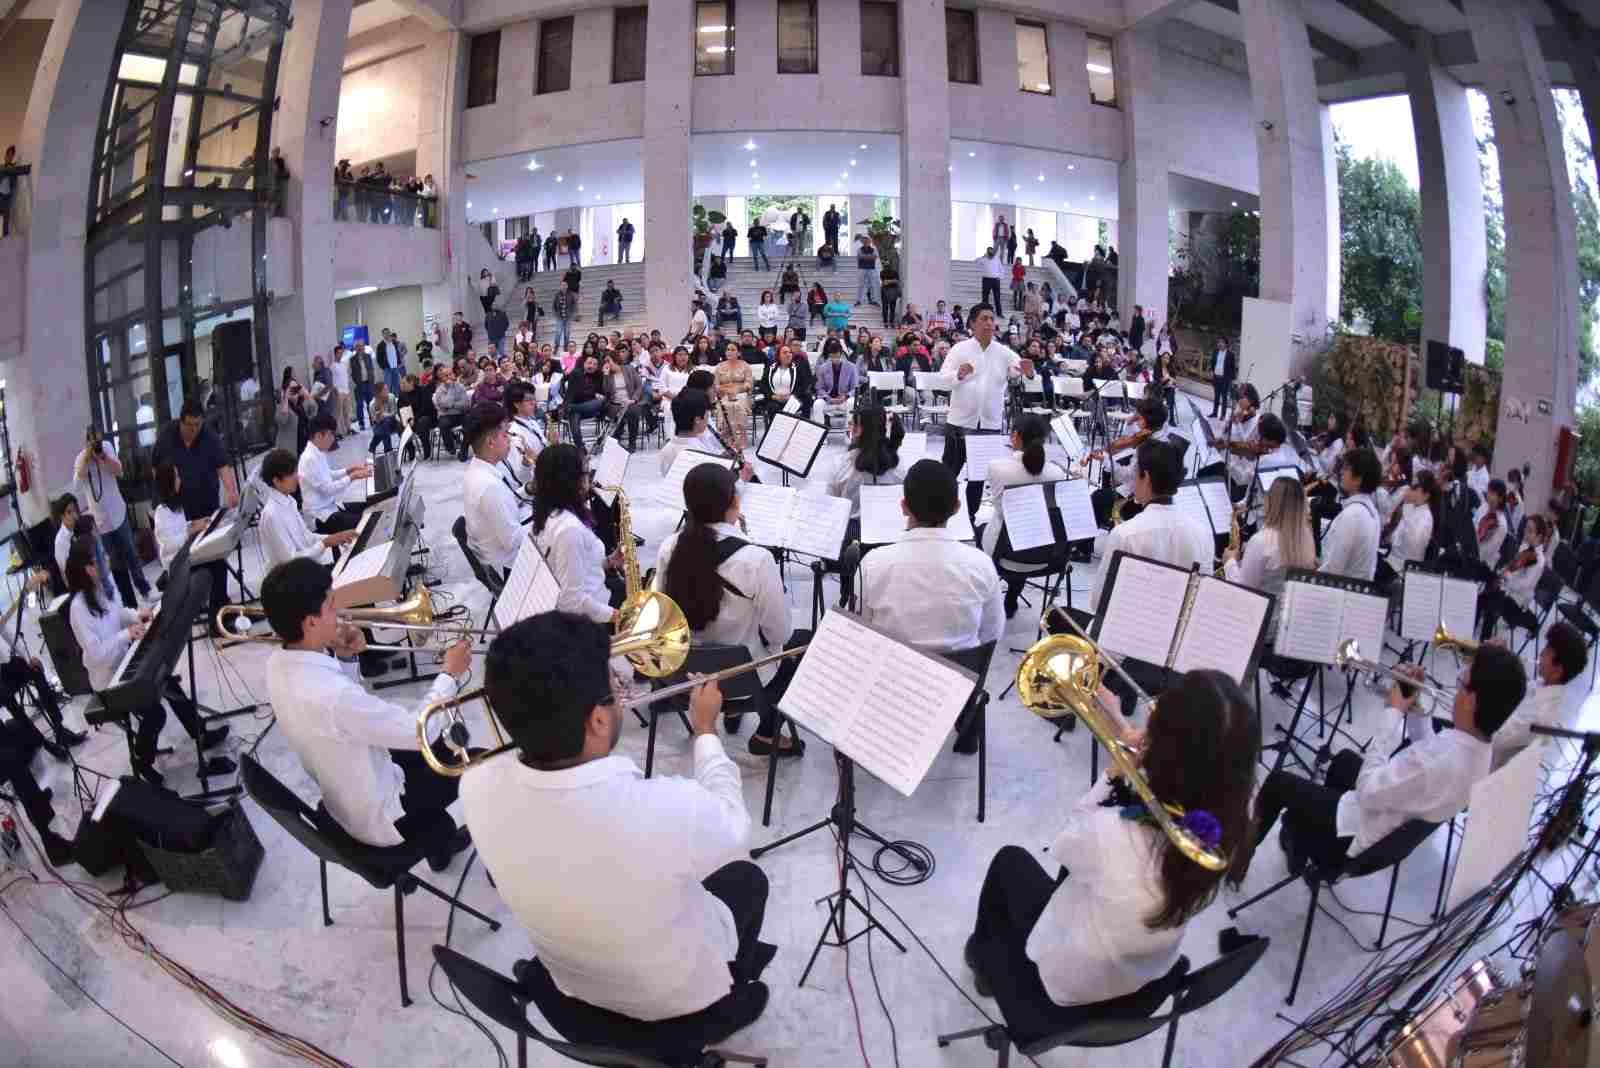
47	408
924	154
1330	182
1454	250
306	127
1292	150
442	71
1142	201
668	79
1540	385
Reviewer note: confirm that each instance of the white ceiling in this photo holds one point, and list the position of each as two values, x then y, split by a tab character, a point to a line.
370	14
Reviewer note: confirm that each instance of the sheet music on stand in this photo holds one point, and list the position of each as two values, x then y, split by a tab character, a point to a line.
781	517
883	704
792	443
883	523
1317	612
1429	596
1181	620
1207	500
671	490
611	468
914	447
1266	476
363	565
981	449
530	589
1027	513
1067	435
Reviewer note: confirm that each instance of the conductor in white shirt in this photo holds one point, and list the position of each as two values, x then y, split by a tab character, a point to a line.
1350	547
635	893
1562	659
362	751
1103	939
321	488
977	371
1431	779
493	517
284	534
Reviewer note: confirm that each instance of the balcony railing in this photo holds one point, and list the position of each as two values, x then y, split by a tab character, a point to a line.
15	190
369	202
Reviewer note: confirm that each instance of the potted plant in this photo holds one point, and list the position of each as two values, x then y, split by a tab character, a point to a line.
703	221
885	233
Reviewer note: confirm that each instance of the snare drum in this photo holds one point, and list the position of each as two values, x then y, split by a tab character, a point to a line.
1436	1037
1565	986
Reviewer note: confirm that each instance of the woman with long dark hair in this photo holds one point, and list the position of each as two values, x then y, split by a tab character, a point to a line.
564	528
730	591
872	457
1028	466
1103	941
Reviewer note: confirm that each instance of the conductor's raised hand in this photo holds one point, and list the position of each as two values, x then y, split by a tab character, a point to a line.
705	704
964	371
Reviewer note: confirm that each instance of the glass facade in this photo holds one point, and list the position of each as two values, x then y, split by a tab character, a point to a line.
1102	72
713	37
1033	58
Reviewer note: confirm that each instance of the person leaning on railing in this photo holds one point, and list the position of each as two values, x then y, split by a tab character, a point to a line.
11	174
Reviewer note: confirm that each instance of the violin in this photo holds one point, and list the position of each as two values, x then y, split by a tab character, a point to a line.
1486	525
1526	558
1131	441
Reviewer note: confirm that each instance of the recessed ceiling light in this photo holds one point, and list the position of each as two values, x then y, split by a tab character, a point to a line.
560	178
495	210
755	176
713	29
852	163
580	189
1091	196
752	163
1096	68
1041	178
469	203
1015	188
533	164
1236	203
862	147
951	167
597	196
749	146
1066	203
1072	166
994	196
718	50
970	155
844	174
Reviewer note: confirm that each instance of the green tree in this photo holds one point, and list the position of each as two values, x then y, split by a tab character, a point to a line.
1380	248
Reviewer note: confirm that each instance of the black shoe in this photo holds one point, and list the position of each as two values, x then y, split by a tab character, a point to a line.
761	956
151	776
57	850
57	750
1011	605
219	766
970	955
458	842
763	747
214	737
732	722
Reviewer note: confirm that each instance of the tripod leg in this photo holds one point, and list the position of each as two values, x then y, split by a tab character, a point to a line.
835	911
756	852
872	921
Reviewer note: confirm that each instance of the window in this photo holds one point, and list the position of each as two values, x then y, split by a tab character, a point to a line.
713	37
627	45
483	69
1033	58
880	39
1102	74
961	44
797	36
555	56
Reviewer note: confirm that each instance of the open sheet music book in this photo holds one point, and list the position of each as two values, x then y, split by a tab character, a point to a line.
1067	435
610	469
1430	597
883	523
982	448
530	589
671	490
1182	620
883	704
1027	513
792	443
1266	476
1317	612
782	517
1207	500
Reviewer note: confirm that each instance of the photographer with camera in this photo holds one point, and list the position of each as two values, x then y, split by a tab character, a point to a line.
96	470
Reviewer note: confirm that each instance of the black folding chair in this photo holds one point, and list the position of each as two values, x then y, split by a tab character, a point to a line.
974	717
1578	614
487	576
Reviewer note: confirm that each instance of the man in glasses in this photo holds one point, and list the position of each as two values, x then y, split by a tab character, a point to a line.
494	526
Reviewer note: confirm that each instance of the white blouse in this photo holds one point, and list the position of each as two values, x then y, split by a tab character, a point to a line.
577	557
758	616
846	481
104	638
1003	474
172	531
1261	565
1489	548
770	316
1520	584
1412	534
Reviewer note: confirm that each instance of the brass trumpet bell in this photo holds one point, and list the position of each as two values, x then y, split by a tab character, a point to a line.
1443	639
652	633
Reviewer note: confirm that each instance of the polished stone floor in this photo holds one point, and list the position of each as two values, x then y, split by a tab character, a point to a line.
336	986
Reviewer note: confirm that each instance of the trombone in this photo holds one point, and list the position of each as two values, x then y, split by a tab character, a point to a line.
1059	675
1348	655
415	615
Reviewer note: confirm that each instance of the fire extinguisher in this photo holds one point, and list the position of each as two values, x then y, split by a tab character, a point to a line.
24	470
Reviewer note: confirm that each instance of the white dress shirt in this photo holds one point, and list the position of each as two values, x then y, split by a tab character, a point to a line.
525	433
494	524
770	316
63	545
978	402
1128	473
1003	474
759	611
1261	566
846	480
104	638
1430	779
1412	534
339	373
1160	532
1328	457
932	592
110	511
342	734
1489	548
1540	708
284	534
172	530
609	886
577	558
1478	480
702	442
1091	942
320	488
1350	547
1241	469
1520	584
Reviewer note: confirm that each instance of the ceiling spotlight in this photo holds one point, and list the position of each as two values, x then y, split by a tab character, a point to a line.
852	163
1041	178
951	167
1236	203
580	189
862	147
1097	68
752	163
1072	166
844	174
495	210
597	196
994	196
1091	196
560	178
1015	188
749	146
469	203
971	155
533	164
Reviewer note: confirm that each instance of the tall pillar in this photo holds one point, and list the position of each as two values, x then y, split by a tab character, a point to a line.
1454	247
668	77
441	69
1144	254
1291	148
1539	389
47	408
924	154
1330	182
306	127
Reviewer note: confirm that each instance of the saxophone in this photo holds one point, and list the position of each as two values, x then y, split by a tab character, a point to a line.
1235	538
633	583
552	429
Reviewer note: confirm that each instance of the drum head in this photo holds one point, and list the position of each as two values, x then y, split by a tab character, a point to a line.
1560	1031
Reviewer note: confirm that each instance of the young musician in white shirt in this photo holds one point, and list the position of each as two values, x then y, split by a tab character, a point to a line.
1430	779
362	751
1563	658
871	458
1283	541
284	534
527	438
1027	467
1478	470
173	532
730	591
493	518
563	528
321	490
928	589
1102	940
691	428
1241	443
1492	524
635	892
1350	547
1411	525
1509	593
977	371
1149	424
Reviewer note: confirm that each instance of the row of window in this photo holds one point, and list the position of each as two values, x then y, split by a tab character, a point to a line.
797	49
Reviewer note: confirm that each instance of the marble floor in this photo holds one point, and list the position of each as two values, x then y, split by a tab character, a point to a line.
75	995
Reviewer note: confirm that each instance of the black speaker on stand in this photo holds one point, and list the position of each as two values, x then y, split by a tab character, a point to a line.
232	361
1445	371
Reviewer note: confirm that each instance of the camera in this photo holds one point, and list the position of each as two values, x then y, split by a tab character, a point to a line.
92	437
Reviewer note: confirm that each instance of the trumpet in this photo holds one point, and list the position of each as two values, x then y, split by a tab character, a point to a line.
1348	655
1059	675
415	615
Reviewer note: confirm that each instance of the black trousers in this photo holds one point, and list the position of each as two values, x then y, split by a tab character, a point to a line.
448	427
217	570
346	517
779	685
955	457
1222	388
427	796
1310	810
19	740
1014	895
16	677
991	295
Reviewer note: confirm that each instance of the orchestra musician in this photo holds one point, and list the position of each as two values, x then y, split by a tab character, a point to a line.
977	371
564	530
691	428
1430	779
928	589
1282	542
104	631
1391	492
643	912
1491	525
1509	594
527	437
321	490
173	533
362	751
489	506
873	456
1028	466
731	592
1330	445
1102	939
1563	658
1350	548
1411	526
1150	424
1241	443
284	534
1478	470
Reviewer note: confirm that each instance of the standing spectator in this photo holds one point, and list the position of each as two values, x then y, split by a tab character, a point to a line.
96	471
992	265
790	283
565	307
816	300
836	313
8	189
799	226
574	280
1002	239
343	400
550	251
889	283
1011	246
531	302
460	335
1136	329
769	316
799	316
625	241
362	377
488	291
574	243
523	255
387	359
830	226
495	324
197	453
1018	282
1224	366
610	302
757	236
730	234
1030	245
867	261
1032	309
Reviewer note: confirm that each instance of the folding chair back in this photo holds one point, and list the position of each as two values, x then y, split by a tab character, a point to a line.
1201	988
1391	849
493	583
296	817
